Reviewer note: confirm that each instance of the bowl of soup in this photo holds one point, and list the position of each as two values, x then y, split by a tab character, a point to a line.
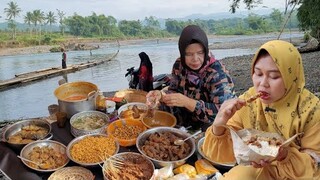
88	122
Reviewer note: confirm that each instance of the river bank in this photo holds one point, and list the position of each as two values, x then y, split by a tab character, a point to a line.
238	66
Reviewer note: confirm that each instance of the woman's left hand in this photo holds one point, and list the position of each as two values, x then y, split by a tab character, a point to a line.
282	154
262	164
175	99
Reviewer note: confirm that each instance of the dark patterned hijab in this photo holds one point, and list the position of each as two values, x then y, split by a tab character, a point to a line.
189	35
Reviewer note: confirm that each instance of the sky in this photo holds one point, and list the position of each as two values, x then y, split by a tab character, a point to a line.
130	9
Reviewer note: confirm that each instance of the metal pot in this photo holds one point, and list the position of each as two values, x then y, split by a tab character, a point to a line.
76	97
16	127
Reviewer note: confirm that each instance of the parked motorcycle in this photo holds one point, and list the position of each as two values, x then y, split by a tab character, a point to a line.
159	81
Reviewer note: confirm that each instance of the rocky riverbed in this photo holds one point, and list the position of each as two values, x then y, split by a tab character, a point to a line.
239	68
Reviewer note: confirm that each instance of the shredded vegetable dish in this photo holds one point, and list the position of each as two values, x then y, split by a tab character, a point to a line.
89	122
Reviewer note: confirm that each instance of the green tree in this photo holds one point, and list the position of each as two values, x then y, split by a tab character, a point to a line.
50	19
130	28
38	18
61	15
257	23
78	25
252	3
308	16
152	23
277	18
28	20
174	26
12	12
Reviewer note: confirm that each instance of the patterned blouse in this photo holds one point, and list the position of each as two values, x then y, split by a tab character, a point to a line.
210	86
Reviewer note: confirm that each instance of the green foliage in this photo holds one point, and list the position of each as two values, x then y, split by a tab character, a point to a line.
308	16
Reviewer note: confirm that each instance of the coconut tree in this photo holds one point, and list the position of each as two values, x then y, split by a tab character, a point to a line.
12	11
51	19
38	18
28	20
61	15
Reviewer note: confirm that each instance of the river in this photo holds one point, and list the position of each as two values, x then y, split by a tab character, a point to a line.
32	100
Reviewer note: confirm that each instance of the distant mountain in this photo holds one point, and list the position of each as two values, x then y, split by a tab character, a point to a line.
218	16
226	15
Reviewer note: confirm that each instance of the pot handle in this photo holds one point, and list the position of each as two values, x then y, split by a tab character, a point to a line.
48	137
91	95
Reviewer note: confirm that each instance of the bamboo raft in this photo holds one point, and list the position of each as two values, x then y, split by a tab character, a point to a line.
28	77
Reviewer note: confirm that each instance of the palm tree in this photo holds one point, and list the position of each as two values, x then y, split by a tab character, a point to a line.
38	18
12	12
51	19
28	20
61	15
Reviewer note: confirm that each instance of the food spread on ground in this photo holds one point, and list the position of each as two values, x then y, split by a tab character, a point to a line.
97	149
160	146
89	122
28	134
46	158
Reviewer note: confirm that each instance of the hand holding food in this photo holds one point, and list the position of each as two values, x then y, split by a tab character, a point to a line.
153	98
226	111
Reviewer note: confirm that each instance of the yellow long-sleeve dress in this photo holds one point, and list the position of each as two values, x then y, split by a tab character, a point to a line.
298	111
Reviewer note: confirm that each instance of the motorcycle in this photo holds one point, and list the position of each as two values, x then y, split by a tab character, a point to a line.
159	81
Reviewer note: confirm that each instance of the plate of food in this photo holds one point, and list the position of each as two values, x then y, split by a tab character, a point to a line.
251	145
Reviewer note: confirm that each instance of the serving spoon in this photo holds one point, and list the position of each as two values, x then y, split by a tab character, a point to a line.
179	142
28	160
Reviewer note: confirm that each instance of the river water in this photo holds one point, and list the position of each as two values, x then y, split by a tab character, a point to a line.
32	100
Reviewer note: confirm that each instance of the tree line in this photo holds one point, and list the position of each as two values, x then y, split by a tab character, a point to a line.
107	27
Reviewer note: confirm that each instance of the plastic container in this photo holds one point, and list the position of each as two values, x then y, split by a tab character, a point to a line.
101	102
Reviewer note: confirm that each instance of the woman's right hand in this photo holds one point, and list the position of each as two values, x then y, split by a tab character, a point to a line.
226	111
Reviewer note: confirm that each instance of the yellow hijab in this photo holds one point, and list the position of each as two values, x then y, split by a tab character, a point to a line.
297	111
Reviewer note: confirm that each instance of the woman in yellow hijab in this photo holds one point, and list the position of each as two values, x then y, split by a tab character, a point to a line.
285	107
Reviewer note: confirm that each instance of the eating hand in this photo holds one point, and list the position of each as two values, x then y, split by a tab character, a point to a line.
226	111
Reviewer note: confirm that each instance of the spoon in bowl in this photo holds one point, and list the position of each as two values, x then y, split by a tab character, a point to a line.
28	160
179	142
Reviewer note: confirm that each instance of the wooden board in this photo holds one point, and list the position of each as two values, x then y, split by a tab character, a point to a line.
49	72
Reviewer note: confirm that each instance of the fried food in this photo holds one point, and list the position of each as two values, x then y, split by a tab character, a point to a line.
256	141
28	134
253	98
93	149
46	158
128	167
160	146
